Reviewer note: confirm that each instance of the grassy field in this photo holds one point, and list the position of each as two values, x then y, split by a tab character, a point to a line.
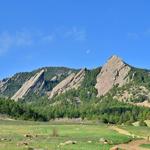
137	130
146	146
12	133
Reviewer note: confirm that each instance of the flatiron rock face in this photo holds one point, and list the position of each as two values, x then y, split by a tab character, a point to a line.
114	72
3	85
28	85
73	81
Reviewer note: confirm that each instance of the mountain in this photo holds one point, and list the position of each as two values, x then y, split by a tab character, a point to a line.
38	81
122	81
35	82
73	81
113	93
114	72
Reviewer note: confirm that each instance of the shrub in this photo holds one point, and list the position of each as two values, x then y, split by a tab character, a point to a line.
142	123
55	132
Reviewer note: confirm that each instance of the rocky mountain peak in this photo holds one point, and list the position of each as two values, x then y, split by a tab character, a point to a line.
114	72
114	59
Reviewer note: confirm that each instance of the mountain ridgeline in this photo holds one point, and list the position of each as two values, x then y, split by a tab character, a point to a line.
114	93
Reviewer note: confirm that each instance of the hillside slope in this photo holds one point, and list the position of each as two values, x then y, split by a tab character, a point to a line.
115	78
111	93
11	87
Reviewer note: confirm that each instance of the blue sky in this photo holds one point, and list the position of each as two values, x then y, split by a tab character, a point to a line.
72	33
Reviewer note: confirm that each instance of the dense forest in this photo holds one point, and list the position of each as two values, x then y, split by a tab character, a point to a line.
19	111
105	110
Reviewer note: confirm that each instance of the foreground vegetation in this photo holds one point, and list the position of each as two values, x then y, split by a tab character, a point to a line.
87	136
106	110
138	130
19	110
146	146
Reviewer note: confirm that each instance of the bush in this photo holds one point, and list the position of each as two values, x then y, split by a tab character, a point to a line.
142	123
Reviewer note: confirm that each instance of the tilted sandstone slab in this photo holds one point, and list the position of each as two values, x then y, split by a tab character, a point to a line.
114	72
27	86
3	85
73	81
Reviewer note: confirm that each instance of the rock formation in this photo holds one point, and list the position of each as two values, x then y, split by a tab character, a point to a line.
3	85
73	81
114	72
29	84
54	79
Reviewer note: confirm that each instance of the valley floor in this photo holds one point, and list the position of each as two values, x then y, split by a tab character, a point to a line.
22	135
135	144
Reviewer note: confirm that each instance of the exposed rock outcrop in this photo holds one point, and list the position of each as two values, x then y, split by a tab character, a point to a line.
3	85
54	79
73	81
29	84
114	72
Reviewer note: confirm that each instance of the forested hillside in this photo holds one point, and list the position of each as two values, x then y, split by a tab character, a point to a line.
52	76
19	111
114	93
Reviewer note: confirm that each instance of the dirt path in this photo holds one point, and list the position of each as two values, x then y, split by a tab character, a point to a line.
121	131
133	145
125	132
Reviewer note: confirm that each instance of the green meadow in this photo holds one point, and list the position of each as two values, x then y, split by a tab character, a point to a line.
48	136
137	130
146	146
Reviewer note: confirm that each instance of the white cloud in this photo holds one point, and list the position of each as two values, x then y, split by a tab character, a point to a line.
5	42
18	39
22	38
139	35
25	38
48	38
76	34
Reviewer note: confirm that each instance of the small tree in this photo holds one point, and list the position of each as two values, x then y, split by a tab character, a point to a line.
55	132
